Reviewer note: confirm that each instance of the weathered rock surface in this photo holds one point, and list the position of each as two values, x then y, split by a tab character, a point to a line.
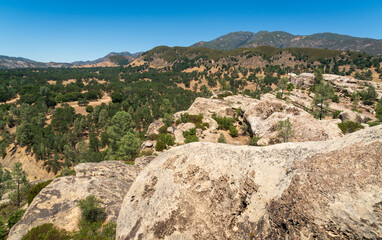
263	117
344	84
154	127
321	190
58	202
352	116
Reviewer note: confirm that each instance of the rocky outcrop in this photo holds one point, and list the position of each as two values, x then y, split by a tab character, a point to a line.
343	84
262	116
310	190
58	203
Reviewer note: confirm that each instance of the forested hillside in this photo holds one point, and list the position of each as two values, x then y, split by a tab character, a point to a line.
71	115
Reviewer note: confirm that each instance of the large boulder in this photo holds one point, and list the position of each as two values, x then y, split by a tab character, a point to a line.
58	202
352	116
320	190
154	127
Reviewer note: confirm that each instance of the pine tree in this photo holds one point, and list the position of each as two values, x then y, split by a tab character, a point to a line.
18	181
285	130
320	104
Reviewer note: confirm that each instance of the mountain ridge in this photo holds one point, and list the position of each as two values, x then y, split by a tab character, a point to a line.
21	62
230	41
281	39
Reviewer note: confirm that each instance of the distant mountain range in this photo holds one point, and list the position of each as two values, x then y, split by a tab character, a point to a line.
283	40
229	41
19	62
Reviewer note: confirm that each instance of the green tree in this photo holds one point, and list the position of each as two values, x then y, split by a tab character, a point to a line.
167	112
121	124
222	139
369	96
320	104
91	211
318	76
14	217
284	129
18	181
103	118
128	147
233	131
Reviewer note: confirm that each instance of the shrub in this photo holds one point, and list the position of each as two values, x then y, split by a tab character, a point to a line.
202	126
222	139
67	172
14	217
3	230
153	137
369	96
335	98
253	141
223	122
91	212
336	113
290	87
83	102
46	232
279	95
233	131
372	124
89	109
148	152
184	117
33	191
163	129
163	141
190	136
178	121
160	146
349	127
196	119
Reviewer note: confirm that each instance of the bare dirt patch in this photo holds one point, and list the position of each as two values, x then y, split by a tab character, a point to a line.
82	109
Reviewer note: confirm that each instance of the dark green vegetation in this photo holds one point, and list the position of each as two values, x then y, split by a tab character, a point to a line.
109	131
190	136
91	226
349	127
46	232
33	191
283	39
14	217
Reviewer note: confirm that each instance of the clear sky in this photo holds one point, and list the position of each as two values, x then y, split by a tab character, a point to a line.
57	30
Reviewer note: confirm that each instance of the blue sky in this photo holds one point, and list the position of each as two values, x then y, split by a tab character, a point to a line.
70	30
